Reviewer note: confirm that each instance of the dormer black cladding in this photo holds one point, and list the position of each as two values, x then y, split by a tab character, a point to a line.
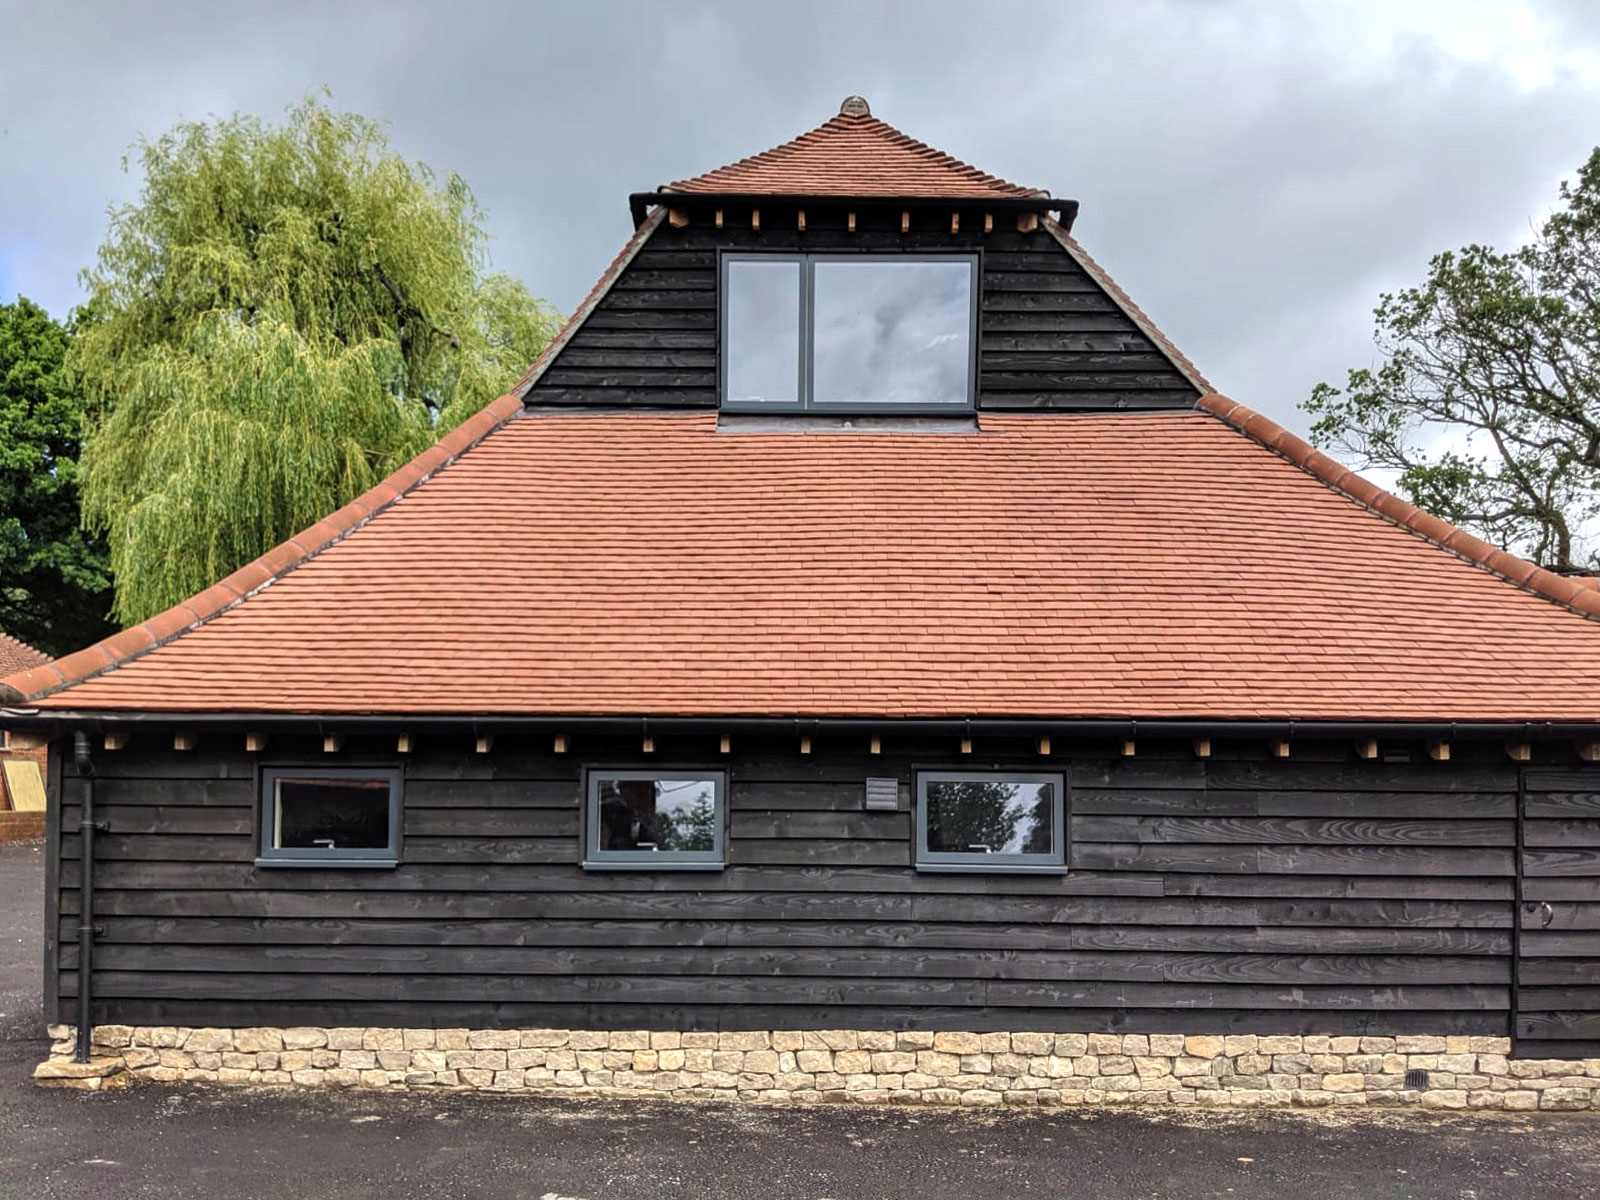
1049	336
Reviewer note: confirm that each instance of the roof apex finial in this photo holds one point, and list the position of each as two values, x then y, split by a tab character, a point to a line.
855	106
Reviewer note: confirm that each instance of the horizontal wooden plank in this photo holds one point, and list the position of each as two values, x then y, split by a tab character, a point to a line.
491	822
888	826
704	1015
1119	359
643	397
637	358
1314	887
1557	1025
821	851
596	905
1384	860
1545	863
1570	833
875	964
1562	972
1564	805
1311	831
784	990
909	935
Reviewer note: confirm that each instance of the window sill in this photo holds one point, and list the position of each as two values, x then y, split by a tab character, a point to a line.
992	869
329	863
643	865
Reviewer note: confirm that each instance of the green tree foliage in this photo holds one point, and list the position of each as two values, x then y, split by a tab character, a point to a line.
1487	405
55	586
287	314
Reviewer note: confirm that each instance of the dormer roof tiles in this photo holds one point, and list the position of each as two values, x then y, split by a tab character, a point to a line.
856	155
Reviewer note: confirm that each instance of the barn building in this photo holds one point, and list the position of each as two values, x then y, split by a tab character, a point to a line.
863	659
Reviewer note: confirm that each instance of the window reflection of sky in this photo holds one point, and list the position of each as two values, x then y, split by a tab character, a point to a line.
961	815
887	331
762	340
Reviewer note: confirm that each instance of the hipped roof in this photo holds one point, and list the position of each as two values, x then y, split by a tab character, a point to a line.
1151	566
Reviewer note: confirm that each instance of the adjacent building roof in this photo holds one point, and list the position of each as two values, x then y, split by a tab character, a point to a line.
855	155
1146	565
18	656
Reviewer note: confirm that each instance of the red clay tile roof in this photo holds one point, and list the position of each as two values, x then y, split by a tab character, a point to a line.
854	154
1153	565
18	656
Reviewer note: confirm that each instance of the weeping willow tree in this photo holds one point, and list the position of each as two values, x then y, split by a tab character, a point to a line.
286	314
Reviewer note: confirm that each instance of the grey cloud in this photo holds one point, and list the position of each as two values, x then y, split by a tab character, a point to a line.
1253	173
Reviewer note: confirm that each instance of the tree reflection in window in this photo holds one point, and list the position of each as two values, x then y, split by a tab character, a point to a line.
662	815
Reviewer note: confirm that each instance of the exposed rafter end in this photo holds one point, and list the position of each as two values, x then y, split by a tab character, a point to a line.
1588	751
725	745
255	743
558	744
403	744
332	743
116	740
1280	748
1027	222
1519	751
184	741
1439	751
1129	749
1202	747
1044	747
677	218
805	745
1367	749
485	743
876	745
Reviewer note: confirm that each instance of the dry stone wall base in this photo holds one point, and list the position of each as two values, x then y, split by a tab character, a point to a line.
846	1066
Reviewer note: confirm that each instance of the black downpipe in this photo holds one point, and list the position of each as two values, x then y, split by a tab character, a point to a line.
85	765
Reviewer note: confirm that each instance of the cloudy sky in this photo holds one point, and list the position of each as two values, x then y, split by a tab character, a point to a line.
1255	173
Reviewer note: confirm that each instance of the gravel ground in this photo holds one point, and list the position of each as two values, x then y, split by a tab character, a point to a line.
209	1143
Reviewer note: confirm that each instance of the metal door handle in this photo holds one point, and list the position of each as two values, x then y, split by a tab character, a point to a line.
1547	914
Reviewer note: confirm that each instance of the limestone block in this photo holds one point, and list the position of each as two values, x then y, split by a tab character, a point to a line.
886	1062
590	1039
912	1040
1350	1082
477	1039
1116	1064
1419	1044
1239	1043
1038	1043
1104	1043
877	1039
666	1060
765	1062
822	1060
1167	1044
958	1043
1447	1098
1152	1068
636	1039
1135	1044
792	1040
977	1064
217	1040
309	1077
938	1063
704	1040
450	1039
1520	1101
1203	1046
1280	1044
1463	1063
646	1060
751	1040
1564	1099
978	1098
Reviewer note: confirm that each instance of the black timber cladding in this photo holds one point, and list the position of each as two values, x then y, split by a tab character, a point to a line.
1318	894
1050	337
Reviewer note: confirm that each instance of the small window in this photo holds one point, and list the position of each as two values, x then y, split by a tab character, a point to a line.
656	820
848	332
973	821
329	817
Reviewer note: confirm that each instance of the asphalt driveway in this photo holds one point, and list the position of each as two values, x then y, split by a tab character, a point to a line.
192	1142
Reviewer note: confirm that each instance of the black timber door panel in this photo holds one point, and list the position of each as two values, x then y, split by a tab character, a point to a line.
1557	1001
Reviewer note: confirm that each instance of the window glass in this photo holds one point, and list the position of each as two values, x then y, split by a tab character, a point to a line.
311	815
655	819
991	821
332	814
762	337
887	331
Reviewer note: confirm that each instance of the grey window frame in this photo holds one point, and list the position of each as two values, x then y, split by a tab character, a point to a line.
1054	863
806	404
596	859
268	855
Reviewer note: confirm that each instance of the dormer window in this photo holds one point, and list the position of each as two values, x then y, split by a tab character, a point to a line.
848	332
